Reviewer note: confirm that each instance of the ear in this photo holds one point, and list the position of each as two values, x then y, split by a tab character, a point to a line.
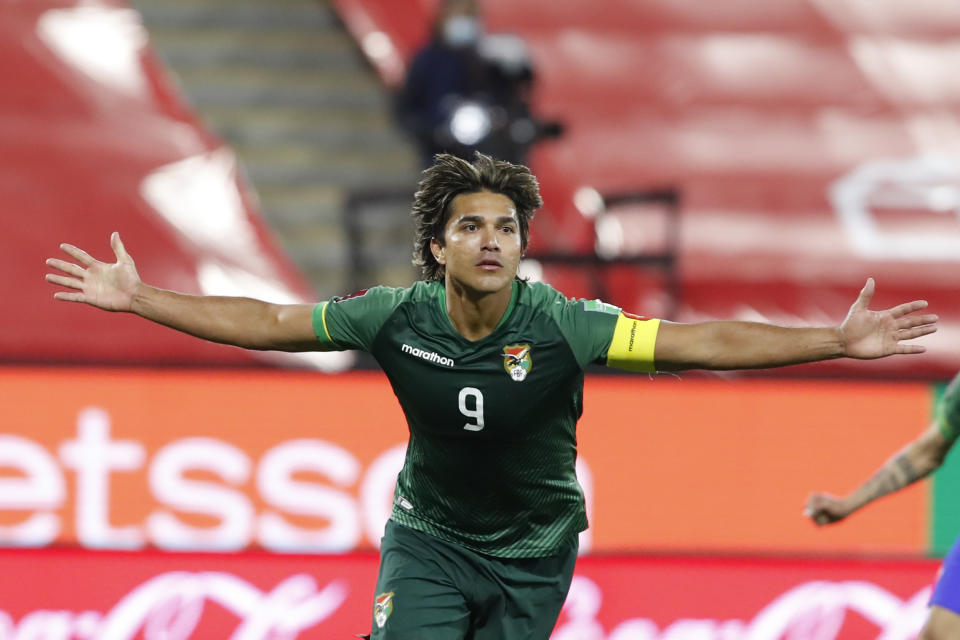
437	250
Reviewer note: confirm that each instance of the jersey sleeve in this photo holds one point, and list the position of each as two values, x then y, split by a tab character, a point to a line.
352	322
604	334
948	410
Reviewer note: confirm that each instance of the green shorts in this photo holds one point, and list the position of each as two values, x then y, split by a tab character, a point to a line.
430	589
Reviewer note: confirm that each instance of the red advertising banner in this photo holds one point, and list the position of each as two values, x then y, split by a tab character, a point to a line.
73	594
306	462
715	598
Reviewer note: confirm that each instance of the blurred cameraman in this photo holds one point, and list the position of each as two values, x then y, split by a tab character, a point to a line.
469	91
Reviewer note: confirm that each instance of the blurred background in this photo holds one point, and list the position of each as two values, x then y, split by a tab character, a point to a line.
740	160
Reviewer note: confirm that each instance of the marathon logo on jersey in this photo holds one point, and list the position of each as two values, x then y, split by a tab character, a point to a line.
517	361
429	356
382	608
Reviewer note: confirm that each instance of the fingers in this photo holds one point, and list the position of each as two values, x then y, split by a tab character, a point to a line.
909	349
66	267
69	296
915	332
907	307
817	514
866	294
817	509
64	281
821	518
118	249
78	254
909	322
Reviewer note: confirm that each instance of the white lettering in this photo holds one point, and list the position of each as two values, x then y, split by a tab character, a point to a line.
429	356
170	606
93	455
41	488
7	627
192	496
277	486
45	625
809	611
349	503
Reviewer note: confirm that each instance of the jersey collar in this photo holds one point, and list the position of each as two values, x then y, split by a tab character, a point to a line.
442	300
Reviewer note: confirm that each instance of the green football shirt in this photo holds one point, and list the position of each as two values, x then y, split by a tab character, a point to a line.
948	410
490	463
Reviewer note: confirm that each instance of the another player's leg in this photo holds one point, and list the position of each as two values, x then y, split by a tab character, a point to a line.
944	620
942	624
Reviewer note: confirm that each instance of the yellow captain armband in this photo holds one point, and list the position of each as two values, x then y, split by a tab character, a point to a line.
633	343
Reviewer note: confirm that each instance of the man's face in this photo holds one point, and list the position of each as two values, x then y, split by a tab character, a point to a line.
482	247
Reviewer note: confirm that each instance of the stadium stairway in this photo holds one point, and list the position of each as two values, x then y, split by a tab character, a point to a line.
286	87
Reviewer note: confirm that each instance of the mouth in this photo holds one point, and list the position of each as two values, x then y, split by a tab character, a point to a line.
489	264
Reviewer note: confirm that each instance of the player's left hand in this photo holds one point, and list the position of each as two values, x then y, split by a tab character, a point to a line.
870	334
824	508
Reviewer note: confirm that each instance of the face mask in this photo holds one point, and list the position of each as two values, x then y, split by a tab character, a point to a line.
460	31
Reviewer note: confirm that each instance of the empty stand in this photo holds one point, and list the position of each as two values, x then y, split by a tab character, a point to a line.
96	138
286	87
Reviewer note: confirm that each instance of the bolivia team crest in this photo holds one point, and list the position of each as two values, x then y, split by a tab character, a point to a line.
382	608
517	361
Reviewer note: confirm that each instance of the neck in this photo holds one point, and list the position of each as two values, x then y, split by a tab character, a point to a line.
475	314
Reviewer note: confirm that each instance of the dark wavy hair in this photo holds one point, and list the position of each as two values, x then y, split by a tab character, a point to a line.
449	177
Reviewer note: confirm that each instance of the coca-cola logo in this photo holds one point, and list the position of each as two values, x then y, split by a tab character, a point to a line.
171	606
185	605
815	610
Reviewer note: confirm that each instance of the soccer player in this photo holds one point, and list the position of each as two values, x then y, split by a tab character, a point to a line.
917	460
488	369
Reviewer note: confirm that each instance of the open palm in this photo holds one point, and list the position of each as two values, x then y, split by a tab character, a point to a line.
874	334
108	286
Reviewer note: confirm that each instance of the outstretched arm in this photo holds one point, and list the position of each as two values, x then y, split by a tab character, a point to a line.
917	460
864	334
243	322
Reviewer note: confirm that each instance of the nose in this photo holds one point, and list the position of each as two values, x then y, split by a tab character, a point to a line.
491	241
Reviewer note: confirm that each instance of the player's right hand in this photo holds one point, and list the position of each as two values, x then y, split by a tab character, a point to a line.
100	284
824	508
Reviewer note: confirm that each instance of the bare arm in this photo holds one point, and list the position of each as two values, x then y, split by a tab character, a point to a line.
724	345
243	322
917	460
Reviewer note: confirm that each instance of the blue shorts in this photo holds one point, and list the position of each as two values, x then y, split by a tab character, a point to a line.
947	592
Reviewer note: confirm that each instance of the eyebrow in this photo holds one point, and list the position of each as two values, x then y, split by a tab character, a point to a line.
476	218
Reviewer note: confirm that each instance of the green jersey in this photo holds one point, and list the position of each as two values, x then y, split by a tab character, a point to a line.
490	464
948	410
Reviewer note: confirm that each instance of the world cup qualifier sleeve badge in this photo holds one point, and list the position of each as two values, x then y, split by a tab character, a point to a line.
382	608
517	361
